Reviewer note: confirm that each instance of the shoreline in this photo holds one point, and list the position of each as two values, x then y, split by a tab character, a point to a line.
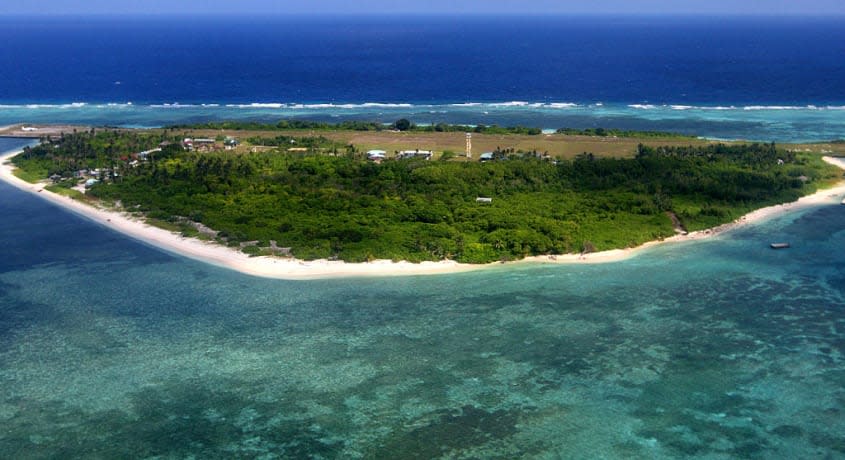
294	269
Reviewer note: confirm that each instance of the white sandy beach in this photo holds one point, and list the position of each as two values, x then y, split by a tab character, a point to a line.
281	268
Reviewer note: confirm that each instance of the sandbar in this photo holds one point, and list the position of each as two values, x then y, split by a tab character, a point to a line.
293	269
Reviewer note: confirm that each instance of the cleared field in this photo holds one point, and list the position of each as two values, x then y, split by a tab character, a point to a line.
556	145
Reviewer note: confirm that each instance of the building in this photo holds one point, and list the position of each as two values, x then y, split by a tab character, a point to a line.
198	143
486	156
376	155
230	143
146	153
424	154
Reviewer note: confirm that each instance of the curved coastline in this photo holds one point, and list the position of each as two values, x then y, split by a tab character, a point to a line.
294	269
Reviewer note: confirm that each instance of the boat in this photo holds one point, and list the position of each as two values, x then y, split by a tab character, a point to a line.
780	245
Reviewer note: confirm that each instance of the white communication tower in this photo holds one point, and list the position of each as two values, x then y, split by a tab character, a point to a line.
469	145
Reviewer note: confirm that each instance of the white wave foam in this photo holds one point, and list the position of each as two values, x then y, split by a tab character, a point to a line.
430	108
73	105
318	106
257	105
509	104
385	105
115	105
551	105
174	105
779	107
516	104
748	108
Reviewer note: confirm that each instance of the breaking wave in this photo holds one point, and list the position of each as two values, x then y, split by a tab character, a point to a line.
438	108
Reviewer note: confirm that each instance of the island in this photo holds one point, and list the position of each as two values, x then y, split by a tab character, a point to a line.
302	199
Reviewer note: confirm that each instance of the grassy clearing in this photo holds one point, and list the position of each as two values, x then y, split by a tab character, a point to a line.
165	225
562	146
557	145
64	191
33	176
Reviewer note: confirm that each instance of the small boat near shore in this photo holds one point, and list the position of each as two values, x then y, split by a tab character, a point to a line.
779	245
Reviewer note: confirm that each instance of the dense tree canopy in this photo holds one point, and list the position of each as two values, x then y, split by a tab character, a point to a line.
334	204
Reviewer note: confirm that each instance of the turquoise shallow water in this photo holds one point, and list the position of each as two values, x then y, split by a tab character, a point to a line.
805	123
715	349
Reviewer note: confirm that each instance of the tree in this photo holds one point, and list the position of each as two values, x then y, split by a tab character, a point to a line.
402	124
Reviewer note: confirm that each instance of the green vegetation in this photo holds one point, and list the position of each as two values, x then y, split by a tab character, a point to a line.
285	125
481	129
32	173
310	144
402	124
105	149
336	205
65	191
602	132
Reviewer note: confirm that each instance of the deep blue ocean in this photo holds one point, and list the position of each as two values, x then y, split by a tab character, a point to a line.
756	78
720	348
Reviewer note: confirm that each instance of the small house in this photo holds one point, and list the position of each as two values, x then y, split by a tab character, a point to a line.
230	143
424	154
486	156
146	153
205	144
376	155
198	143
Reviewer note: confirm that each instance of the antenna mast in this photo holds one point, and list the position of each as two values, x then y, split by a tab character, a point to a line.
469	145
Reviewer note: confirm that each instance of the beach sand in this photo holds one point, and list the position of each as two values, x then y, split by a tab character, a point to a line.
293	269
